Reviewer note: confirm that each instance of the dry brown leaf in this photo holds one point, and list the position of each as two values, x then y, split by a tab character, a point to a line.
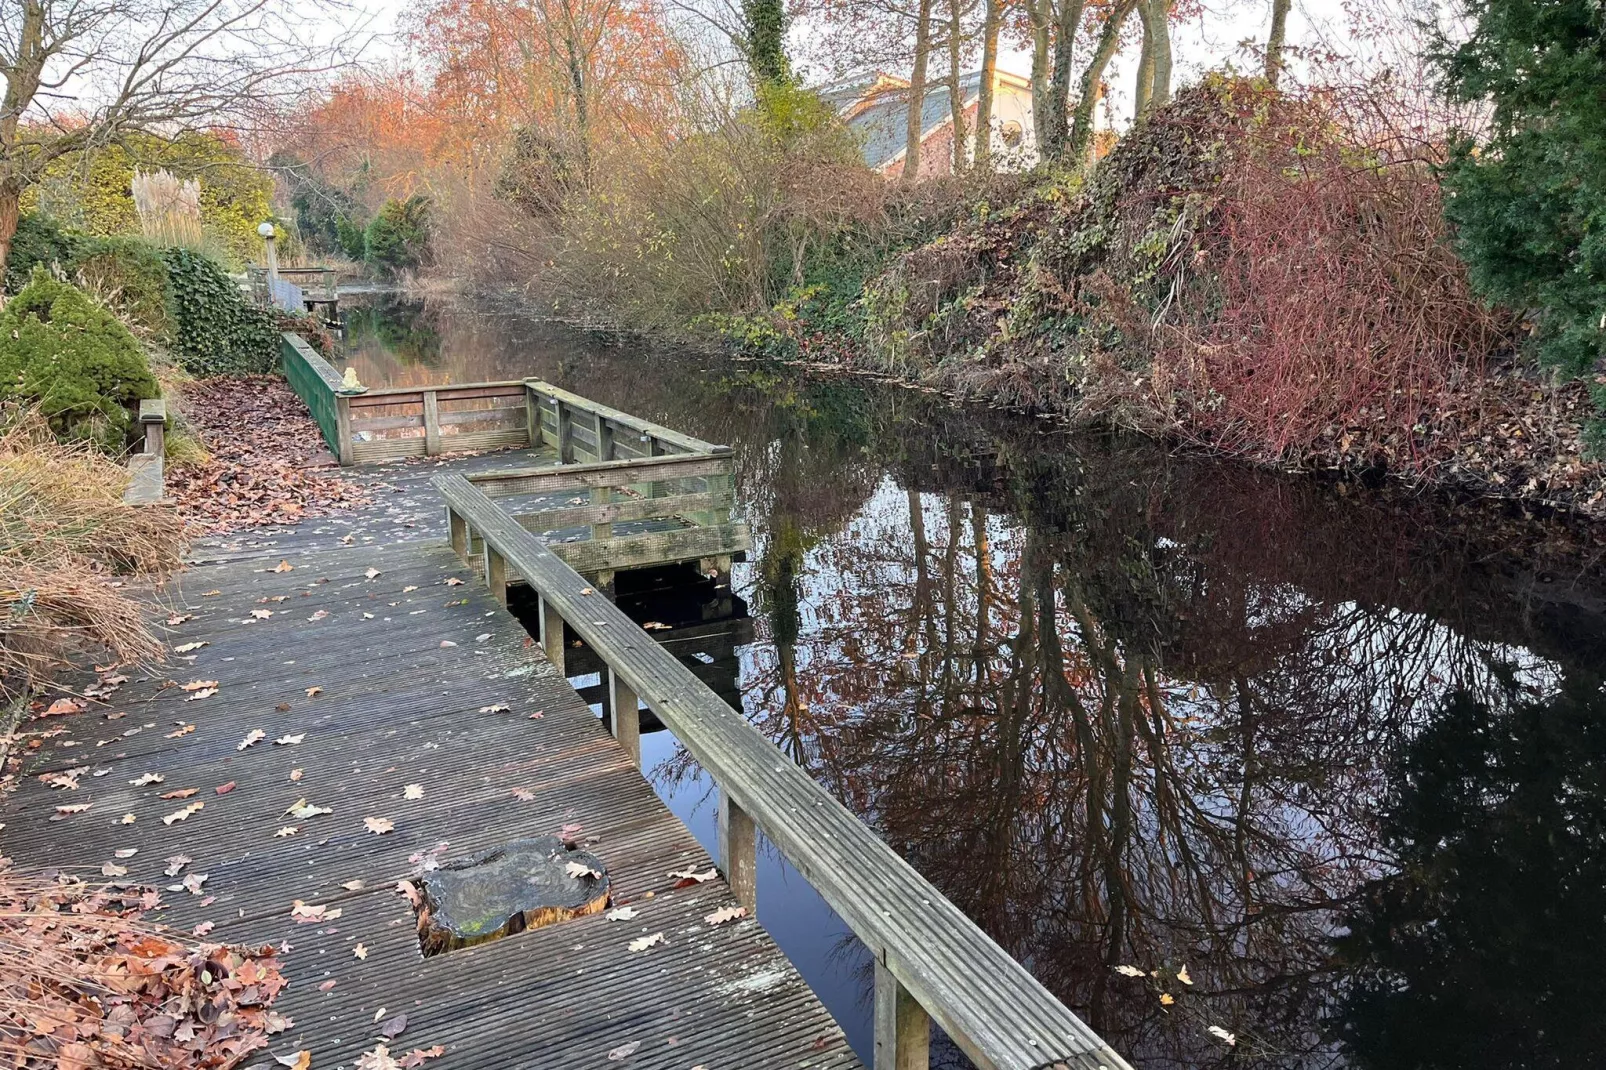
283	566
253	737
724	914
643	943
378	825
314	691
413	791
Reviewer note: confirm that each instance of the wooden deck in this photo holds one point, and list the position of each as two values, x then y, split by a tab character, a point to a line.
406	662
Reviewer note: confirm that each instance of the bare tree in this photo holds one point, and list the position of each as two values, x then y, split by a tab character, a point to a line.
917	93
1080	143
79	74
991	24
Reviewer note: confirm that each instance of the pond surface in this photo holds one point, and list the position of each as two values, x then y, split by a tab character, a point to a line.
1341	754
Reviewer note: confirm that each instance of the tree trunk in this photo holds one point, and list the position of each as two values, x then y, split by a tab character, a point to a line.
984	95
956	92
1276	39
1160	15
917	93
9	200
1037	13
1145	82
1059	85
1081	140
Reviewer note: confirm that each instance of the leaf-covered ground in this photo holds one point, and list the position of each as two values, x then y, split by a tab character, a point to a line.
83	983
266	456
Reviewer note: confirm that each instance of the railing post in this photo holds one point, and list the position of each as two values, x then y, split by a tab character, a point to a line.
532	415
457	531
738	851
344	446
603	531
624	715
565	438
902	1028
432	424
496	574
604	436
552	634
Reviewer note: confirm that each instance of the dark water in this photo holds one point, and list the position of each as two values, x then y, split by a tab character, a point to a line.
1341	754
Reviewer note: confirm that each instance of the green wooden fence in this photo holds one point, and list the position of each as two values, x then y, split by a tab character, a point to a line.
315	382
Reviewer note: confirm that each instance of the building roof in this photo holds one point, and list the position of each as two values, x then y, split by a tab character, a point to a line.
876	107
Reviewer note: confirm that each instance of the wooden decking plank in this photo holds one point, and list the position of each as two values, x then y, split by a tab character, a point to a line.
398	708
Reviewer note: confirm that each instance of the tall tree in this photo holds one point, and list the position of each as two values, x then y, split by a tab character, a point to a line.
765	22
1080	142
917	93
1067	23
991	25
956	88
79	74
1276	39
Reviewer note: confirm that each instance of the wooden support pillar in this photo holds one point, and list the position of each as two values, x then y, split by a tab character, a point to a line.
738	852
600	496
552	634
344	446
457	531
432	424
496	574
532	416
902	1028
624	716
565	435
717	569
604	438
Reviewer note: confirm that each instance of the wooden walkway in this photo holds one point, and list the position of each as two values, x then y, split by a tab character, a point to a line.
411	671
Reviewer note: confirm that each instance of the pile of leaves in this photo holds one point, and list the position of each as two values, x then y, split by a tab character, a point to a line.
83	983
264	447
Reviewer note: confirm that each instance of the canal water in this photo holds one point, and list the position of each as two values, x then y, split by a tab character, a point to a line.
1336	755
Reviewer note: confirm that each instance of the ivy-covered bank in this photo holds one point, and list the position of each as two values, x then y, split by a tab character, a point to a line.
1244	274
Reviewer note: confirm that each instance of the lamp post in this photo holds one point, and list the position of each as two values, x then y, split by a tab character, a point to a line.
271	257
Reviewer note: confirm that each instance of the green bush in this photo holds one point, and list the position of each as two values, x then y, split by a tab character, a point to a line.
398	237
215	332
74	360
38	240
129	276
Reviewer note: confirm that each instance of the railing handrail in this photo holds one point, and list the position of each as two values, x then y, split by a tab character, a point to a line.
435	388
927	951
686	442
623	472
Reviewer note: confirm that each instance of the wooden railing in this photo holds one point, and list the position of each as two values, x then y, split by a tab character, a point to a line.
426	421
315	284
316	382
932	963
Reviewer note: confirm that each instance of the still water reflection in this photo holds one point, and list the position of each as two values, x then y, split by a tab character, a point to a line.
1341	757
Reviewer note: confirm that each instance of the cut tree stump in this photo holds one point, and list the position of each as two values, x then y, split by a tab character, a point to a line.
521	885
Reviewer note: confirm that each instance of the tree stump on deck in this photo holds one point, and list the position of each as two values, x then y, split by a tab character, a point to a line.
521	885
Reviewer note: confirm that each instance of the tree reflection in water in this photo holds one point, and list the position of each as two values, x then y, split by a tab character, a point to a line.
1339	755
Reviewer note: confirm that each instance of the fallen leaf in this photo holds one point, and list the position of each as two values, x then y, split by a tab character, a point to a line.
623	914
112	869
410	587
319	614
360	951
295	774
301	1060
724	914
656	626
200	685
129	819
352	886
480	638
413	791
183	730
191	883
416	1057
147	778
307	912
623	1051
126	852
181	793
693	876
1182	975
63	706
371	573
185	648
205	692
327	985
524	794
314	691
301	809
452	581
283	566
379	825
500	707
286	830
203	928
645	942
580	869
182	815
394	1027
253	737
224	789
1230	1039
180	618
175	863
378	1059
262	614
1129	971
286	741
